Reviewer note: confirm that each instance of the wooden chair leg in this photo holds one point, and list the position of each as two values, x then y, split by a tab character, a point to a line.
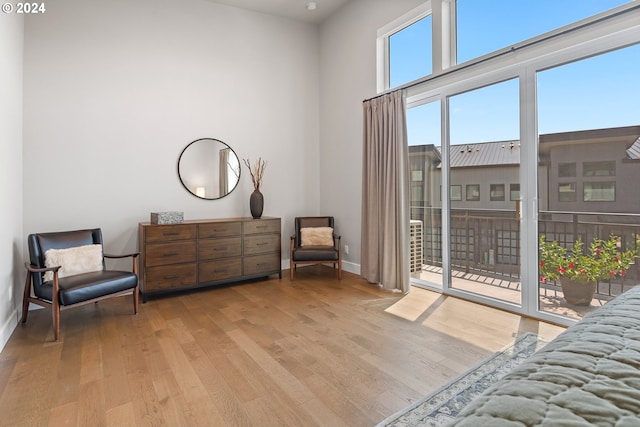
136	300
291	268
25	298
339	269
55	309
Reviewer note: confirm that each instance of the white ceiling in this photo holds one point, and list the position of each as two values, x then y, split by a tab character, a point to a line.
294	9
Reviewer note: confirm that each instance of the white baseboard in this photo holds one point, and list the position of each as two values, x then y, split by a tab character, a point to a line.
351	267
8	327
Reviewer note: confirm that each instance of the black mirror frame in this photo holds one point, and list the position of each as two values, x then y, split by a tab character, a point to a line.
185	185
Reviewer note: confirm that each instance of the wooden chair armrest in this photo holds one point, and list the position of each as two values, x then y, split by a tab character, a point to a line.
32	268
135	254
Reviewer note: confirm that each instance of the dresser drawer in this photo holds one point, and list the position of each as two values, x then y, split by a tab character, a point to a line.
261	243
170	253
211	271
169	277
261	226
220	248
257	264
163	233
219	229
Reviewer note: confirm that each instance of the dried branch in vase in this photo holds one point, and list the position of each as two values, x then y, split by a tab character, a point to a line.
256	170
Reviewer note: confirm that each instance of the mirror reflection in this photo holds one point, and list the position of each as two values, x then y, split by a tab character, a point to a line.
208	168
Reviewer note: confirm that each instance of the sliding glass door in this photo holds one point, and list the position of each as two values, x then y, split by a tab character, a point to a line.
425	201
523	151
484	191
588	180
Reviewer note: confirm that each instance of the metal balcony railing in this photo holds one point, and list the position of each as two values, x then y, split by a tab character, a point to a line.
487	242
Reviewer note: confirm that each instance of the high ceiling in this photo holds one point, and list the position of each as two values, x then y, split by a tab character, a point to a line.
294	9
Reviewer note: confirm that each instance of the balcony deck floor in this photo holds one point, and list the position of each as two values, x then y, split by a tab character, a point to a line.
551	297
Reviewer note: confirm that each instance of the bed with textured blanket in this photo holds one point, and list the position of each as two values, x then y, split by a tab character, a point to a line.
588	375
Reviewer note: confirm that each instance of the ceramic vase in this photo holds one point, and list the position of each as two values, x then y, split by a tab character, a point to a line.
256	204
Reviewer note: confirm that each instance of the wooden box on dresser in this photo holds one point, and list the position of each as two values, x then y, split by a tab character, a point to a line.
208	252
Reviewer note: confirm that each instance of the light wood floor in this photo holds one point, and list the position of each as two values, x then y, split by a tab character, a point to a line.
313	352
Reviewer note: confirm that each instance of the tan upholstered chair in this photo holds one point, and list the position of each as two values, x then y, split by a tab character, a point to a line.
67	269
314	242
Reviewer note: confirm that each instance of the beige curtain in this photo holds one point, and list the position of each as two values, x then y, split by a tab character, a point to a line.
385	193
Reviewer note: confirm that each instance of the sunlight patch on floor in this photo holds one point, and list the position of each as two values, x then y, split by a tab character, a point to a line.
480	325
412	305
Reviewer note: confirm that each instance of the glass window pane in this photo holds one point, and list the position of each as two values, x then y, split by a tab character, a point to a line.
514	192
599	169
483	118
567	170
486	26
587	115
599	191
456	192
574	96
473	192
496	192
485	155
410	53
567	192
423	131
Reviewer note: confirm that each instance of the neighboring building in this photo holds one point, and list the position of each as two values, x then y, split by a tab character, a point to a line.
580	173
592	170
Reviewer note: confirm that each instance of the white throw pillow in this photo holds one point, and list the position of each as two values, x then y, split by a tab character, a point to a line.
76	260
316	236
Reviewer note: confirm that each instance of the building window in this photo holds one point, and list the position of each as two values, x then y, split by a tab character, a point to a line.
417	194
567	170
496	192
567	192
514	192
473	192
599	191
456	192
591	169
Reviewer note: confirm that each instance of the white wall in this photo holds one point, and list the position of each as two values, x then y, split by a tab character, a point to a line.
348	76
11	235
114	90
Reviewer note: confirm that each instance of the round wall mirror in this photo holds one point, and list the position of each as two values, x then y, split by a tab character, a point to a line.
208	168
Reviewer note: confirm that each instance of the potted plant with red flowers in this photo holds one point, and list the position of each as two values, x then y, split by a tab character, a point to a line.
579	269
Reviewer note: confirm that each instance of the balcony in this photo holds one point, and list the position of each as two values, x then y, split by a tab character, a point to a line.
486	253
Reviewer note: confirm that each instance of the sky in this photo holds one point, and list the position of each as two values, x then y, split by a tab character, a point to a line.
597	92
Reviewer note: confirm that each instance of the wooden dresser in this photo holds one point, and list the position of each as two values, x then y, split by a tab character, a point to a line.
207	252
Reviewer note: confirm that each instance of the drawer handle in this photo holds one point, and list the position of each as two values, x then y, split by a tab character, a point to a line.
261	226
170	254
221	248
175	276
263	243
220	271
173	233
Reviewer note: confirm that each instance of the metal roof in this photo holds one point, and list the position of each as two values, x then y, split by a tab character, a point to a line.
634	151
485	154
